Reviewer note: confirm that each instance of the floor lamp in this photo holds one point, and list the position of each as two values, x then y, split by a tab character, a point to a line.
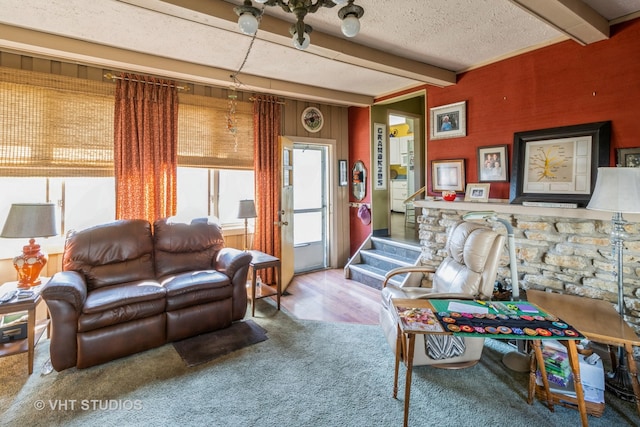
517	361
618	190
246	210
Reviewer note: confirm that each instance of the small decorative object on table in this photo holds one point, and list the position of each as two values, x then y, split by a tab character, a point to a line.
449	196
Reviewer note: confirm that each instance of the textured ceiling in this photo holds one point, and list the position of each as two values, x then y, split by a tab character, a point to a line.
402	43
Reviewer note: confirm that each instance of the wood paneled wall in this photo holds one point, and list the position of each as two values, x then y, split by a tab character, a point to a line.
333	133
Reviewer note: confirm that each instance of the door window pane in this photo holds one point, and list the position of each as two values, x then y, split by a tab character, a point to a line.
308	227
307	169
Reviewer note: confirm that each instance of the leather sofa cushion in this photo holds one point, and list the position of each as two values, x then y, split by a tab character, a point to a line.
181	247
92	253
197	287
121	303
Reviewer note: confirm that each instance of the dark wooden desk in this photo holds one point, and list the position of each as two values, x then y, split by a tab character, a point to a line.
595	319
261	261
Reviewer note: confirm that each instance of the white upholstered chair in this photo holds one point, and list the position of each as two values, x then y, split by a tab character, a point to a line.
468	272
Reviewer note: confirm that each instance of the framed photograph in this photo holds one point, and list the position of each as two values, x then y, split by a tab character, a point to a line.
559	165
343	180
493	164
477	193
629	157
447	175
449	121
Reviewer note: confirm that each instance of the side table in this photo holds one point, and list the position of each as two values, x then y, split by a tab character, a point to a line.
35	329
261	261
598	321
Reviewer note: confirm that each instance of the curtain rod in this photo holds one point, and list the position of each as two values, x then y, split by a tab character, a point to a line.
264	100
114	77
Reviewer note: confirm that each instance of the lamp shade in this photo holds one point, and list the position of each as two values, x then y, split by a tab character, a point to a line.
247	209
617	190
26	220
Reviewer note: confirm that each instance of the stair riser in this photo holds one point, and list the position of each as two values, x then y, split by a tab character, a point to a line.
396	250
361	277
384	264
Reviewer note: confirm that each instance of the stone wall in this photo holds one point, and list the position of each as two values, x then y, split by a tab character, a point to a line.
563	254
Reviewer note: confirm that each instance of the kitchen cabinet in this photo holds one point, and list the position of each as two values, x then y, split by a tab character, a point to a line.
398	194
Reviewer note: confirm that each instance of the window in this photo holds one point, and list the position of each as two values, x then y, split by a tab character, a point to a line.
56	145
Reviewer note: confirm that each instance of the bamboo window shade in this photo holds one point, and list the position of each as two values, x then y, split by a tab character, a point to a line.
57	126
54	125
202	121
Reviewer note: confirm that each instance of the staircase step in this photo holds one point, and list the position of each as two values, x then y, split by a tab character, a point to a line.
372	276
400	249
385	260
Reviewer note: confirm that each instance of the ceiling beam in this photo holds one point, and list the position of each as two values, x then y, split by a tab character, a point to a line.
220	13
574	18
40	44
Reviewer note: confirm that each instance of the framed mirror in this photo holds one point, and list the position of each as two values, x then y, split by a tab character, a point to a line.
359	180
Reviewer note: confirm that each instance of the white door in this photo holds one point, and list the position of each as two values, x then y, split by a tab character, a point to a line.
286	212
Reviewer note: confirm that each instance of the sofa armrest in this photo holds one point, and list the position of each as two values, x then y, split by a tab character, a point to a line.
235	264
231	260
67	286
65	295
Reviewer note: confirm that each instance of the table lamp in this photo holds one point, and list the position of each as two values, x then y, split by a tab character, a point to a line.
246	210
618	190
30	220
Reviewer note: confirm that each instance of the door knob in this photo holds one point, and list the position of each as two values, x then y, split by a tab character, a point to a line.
281	223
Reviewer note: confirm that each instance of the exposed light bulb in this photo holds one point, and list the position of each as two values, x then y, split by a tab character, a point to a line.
305	42
248	23
350	26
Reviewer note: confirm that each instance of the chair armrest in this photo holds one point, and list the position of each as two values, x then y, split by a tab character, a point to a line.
403	270
231	260
67	286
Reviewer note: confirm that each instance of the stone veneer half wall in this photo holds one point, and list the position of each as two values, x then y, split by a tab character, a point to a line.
560	250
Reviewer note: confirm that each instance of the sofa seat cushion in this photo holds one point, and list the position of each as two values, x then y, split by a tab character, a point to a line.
196	287
111	305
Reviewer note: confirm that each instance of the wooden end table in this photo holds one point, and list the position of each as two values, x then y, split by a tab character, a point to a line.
595	319
262	261
35	329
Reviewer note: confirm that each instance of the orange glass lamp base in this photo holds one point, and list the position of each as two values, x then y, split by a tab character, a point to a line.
29	265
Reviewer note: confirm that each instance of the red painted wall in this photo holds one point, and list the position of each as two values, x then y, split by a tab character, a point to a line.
359	149
559	85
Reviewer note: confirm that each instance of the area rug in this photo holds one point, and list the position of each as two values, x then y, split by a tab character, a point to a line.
206	347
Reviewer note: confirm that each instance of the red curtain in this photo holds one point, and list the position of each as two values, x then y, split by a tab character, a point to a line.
266	125
145	149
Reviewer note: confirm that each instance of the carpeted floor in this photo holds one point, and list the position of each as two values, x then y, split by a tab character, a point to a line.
307	373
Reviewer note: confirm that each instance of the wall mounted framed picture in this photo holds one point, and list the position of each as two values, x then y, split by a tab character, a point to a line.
629	157
493	164
447	175
477	193
343	179
449	121
559	165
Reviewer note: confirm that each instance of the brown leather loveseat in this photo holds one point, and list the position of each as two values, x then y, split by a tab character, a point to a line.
126	289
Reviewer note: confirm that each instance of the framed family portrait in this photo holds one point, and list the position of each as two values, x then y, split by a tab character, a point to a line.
447	175
559	165
477	193
629	157
493	164
449	121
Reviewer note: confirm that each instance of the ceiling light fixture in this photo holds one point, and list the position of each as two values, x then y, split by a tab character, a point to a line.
350	15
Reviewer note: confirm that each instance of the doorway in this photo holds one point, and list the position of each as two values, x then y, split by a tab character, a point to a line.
310	201
404	158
